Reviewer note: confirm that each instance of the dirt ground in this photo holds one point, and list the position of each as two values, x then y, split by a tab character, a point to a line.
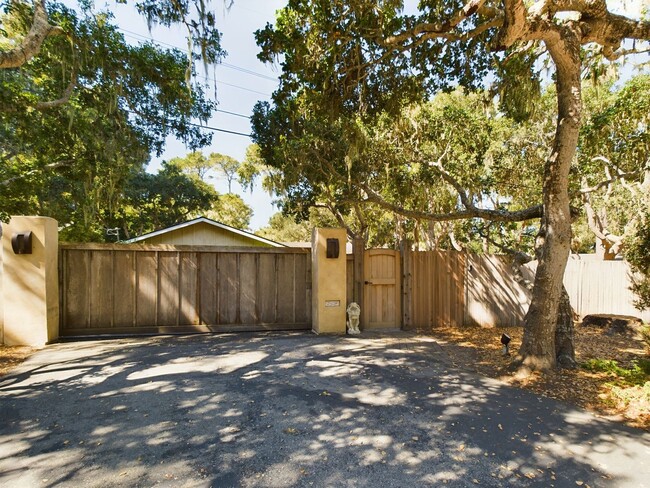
12	356
603	393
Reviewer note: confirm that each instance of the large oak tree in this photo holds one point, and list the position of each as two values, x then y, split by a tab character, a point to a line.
360	57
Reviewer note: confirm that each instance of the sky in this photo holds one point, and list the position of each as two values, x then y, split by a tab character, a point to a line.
241	80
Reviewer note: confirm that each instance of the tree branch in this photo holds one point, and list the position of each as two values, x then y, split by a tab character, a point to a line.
31	44
66	94
47	167
469	213
439	29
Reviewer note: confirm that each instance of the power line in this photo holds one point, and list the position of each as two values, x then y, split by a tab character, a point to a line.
234	113
141	37
208	127
224	64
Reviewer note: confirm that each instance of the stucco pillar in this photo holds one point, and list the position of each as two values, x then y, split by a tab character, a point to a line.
30	284
328	283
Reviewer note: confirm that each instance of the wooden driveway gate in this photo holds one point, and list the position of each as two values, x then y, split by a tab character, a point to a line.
145	289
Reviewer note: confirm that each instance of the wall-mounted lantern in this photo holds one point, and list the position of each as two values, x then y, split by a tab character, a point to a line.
21	242
332	250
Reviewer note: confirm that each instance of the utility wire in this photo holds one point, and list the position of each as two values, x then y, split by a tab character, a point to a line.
234	113
208	127
140	37
224	64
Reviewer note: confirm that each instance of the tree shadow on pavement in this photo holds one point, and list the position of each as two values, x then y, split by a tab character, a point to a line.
293	410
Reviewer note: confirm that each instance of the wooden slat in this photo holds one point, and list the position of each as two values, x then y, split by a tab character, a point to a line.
101	288
76	289
147	288
248	291
124	289
302	285
267	289
228	288
286	291
168	288
208	288
188	279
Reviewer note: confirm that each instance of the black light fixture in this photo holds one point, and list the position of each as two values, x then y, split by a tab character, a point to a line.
505	340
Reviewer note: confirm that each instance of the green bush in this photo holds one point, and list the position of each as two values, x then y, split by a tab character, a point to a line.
637	374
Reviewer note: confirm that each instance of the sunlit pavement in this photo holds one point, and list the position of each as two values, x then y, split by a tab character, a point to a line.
293	410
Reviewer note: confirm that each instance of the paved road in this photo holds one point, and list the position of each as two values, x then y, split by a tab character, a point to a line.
285	410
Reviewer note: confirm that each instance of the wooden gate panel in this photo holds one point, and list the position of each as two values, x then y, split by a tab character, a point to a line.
120	289
382	304
168	289
74	290
267	282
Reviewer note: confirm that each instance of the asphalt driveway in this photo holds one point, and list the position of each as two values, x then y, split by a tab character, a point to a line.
293	410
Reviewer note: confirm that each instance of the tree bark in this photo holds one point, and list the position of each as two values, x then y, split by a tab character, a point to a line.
565	355
30	45
538	346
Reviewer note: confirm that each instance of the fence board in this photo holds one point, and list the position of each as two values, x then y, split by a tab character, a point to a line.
267	288
146	289
208	288
302	287
101	298
437	288
76	275
124	289
286	292
248	274
228	289
189	303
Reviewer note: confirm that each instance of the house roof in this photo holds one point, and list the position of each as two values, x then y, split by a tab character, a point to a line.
205	220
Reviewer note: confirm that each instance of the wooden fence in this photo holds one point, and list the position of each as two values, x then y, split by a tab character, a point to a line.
118	289
436	291
449	288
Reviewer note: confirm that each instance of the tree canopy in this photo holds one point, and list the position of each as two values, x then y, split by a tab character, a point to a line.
358	59
73	157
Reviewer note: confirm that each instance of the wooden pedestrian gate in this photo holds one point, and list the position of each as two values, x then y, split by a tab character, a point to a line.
382	287
143	289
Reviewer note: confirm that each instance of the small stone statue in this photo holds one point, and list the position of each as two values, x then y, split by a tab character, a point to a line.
354	310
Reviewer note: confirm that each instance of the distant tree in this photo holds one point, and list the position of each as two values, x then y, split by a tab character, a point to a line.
156	201
231	210
194	164
225	166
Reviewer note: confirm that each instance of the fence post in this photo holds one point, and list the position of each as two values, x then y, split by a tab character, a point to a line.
407	285
358	249
329	288
30	281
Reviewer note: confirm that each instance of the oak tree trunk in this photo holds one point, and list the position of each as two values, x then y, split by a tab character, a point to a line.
565	355
538	346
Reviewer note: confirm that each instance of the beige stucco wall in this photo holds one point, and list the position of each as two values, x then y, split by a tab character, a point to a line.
30	284
328	283
202	234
